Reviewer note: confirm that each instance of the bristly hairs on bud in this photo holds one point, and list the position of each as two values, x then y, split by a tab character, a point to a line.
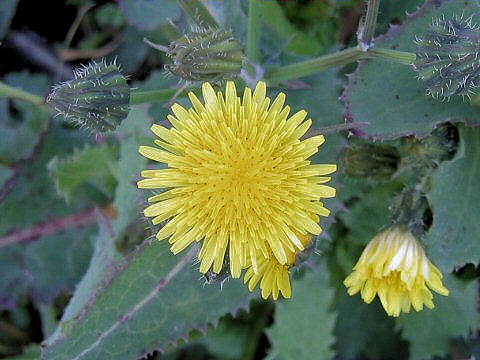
447	57
212	277
204	54
98	98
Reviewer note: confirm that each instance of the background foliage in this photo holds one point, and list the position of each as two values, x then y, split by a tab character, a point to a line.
79	272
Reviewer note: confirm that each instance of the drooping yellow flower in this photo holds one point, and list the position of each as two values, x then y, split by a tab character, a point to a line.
395	266
273	276
238	178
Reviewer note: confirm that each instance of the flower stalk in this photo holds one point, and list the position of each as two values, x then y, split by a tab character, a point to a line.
16	93
367	28
161	95
339	58
399	57
312	66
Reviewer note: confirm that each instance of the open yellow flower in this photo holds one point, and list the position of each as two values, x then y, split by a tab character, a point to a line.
274	277
395	266
238	178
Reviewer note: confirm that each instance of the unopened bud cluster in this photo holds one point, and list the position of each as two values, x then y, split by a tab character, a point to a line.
447	57
97	98
206	55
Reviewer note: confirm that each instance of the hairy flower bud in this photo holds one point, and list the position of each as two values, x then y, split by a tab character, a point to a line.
97	98
207	55
376	161
439	146
447	57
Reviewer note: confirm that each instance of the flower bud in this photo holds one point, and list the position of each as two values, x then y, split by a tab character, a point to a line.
395	267
447	57
208	55
439	146
377	161
97	98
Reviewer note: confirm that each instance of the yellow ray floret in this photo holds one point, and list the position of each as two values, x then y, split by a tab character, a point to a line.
394	266
274	277
238	178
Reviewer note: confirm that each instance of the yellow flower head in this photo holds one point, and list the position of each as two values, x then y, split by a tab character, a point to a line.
273	276
395	266
238	178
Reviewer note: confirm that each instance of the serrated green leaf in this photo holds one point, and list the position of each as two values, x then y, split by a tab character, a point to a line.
454	238
154	301
390	98
303	327
87	166
21	124
149	14
430	331
365	329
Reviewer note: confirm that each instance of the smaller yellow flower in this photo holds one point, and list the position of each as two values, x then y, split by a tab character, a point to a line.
395	266
274	277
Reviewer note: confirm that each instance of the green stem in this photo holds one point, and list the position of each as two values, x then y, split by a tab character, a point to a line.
16	93
339	58
140	97
309	67
253	31
400	57
199	13
368	28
